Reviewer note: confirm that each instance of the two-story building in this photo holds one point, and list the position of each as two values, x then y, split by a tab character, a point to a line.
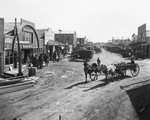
67	37
143	40
30	43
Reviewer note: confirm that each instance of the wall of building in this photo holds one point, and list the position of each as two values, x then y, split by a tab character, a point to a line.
81	41
71	39
142	33
49	35
1	45
29	42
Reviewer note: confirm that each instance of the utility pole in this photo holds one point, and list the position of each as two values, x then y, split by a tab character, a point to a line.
19	50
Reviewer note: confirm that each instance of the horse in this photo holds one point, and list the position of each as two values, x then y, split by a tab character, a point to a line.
107	70
88	69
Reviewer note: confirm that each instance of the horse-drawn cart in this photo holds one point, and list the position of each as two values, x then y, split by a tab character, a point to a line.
118	69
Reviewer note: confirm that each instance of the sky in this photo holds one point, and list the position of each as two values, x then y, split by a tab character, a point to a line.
98	20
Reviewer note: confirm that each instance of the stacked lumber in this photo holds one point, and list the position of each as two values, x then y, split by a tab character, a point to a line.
12	85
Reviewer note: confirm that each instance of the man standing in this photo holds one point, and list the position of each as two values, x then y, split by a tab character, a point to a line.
98	61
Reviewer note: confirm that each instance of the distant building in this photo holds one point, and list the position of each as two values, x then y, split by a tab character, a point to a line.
120	41
134	38
144	39
81	41
50	45
67	37
46	35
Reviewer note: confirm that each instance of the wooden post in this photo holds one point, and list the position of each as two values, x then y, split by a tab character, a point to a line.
59	117
19	50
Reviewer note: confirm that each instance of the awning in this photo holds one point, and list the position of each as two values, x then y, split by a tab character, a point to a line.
54	43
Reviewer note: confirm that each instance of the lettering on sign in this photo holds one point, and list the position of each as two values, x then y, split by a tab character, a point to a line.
27	46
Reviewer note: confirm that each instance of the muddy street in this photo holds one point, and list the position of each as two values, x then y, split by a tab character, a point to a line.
61	93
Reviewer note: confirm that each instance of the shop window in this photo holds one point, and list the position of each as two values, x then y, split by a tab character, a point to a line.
9	57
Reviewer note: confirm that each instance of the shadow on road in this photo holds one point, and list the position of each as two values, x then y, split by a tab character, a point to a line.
96	86
105	82
76	60
76	84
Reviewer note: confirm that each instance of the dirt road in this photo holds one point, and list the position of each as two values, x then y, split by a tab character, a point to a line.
62	93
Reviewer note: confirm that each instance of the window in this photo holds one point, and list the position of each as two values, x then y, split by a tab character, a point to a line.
9	58
28	37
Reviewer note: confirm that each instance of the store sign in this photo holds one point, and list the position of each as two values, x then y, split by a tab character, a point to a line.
27	30
27	46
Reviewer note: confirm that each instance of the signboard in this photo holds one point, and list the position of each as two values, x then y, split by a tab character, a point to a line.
27	46
27	30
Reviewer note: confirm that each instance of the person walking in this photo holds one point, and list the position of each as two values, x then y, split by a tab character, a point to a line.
46	59
27	60
35	61
54	56
40	61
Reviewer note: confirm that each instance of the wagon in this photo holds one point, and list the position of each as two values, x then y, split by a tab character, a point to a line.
122	67
120	70
81	54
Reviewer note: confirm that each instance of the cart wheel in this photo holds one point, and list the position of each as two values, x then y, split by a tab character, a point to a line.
123	73
135	70
93	76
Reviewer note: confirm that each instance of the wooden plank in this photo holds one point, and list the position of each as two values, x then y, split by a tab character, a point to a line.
9	82
15	88
18	84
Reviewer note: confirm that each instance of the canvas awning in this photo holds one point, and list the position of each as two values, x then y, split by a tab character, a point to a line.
54	43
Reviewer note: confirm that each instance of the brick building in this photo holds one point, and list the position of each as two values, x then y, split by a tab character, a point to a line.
67	37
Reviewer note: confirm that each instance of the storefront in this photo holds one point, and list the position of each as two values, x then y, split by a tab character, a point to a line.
29	44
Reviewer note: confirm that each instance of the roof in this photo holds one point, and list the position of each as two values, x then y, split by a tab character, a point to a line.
55	43
9	26
40	33
65	32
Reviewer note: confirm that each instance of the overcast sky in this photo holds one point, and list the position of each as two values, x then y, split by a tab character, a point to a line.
98	20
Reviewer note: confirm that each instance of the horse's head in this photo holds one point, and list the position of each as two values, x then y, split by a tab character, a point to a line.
85	63
103	68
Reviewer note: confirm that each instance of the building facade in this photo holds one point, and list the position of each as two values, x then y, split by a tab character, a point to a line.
30	44
1	46
46	35
67	38
81	41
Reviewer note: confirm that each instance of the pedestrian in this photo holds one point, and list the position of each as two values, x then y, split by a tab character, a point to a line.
35	61
54	56
27	60
40	59
98	61
46	59
132	59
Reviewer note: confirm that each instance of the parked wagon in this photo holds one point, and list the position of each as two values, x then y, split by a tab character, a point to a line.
81	54
122	67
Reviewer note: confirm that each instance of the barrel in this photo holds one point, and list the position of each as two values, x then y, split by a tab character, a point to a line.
32	71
